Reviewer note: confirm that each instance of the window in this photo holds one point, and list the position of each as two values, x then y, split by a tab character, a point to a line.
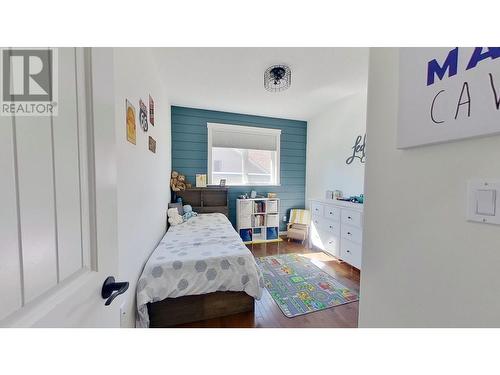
243	155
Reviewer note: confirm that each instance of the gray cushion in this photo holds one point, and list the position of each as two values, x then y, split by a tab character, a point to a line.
178	206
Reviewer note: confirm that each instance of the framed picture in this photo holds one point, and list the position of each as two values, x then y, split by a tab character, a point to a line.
130	122
152	145
446	94
222	182
201	180
143	116
151	111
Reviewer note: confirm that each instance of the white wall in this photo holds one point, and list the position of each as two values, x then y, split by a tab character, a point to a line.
330	136
424	265
143	177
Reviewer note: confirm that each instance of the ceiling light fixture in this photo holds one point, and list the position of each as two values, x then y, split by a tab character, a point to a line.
277	78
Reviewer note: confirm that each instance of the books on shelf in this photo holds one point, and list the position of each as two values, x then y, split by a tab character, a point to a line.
259	206
259	221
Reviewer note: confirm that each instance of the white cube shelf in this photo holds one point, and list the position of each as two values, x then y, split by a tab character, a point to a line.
257	219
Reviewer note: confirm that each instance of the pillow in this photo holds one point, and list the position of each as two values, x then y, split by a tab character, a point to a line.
178	206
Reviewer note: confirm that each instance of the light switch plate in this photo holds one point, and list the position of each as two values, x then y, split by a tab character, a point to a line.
483	201
486	202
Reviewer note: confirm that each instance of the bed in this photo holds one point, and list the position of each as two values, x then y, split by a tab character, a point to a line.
200	270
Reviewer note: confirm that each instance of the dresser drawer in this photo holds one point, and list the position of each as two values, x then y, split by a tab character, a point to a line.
350	252
352	233
328	241
352	217
331	212
316	221
317	208
332	246
331	226
320	223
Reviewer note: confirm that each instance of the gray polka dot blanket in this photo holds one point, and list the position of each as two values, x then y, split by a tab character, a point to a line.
202	255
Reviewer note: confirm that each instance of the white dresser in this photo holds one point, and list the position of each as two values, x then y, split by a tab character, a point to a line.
337	228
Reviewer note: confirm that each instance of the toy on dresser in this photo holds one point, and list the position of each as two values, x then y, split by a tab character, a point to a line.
174	218
188	212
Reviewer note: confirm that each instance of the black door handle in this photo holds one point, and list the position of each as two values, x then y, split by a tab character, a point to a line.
110	286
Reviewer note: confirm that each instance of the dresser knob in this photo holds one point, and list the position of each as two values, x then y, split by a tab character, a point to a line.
348	251
349	233
350	218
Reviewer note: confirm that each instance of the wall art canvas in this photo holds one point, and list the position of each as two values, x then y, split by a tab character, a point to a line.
143	116
201	180
151	111
130	122
447	94
152	145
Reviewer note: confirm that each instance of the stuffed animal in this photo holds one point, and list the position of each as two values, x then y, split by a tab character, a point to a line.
181	182
174	180
188	212
173	216
178	182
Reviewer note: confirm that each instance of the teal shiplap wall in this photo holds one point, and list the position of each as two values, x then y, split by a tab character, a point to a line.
189	153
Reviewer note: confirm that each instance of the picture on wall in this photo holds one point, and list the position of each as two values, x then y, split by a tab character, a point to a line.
201	180
447	94
151	111
130	122
143	116
152	145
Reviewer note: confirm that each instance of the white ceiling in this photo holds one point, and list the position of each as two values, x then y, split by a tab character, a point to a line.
232	79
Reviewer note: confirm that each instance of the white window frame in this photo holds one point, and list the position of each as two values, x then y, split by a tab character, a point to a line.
245	129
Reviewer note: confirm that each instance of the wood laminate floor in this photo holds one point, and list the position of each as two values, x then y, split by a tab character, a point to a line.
267	313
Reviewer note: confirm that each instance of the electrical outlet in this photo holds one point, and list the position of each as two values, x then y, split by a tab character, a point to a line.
284	218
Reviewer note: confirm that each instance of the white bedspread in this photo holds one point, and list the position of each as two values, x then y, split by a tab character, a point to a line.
202	255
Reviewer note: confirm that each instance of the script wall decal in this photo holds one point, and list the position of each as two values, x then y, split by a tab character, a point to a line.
447	94
358	150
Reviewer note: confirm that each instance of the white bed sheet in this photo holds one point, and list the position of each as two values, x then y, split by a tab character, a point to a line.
202	255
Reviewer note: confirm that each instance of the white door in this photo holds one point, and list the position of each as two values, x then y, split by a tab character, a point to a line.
58	202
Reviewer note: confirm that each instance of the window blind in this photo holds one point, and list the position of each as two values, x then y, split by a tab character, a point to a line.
244	137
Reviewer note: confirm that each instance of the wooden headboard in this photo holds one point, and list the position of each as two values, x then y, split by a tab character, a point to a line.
205	200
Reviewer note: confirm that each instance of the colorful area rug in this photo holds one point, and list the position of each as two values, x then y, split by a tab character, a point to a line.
299	287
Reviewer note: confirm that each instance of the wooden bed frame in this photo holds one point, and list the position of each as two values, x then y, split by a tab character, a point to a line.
174	311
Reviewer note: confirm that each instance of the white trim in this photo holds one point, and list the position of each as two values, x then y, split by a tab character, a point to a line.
243	129
278	159
209	151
